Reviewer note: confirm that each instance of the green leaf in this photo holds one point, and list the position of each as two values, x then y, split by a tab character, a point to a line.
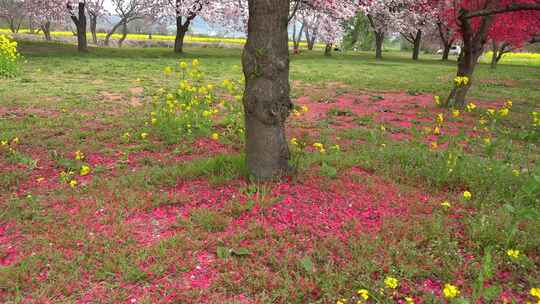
240	252
223	252
307	264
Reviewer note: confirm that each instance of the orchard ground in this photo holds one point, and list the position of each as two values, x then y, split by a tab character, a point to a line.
381	190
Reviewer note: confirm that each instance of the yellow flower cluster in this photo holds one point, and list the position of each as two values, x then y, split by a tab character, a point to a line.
450	291
319	147
301	110
461	81
536	119
391	282
8	56
513	253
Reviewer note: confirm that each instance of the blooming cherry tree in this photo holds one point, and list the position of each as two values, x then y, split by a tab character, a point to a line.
12	11
474	21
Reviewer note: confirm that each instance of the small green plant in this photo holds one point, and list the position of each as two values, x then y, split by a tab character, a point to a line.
9	57
192	109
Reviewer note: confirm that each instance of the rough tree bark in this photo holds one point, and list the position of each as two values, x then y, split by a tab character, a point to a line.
93	27
473	45
328	50
297	39
80	24
46	28
379	39
445	33
415	40
107	40
416	45
266	101
181	30
498	52
124	35
311	37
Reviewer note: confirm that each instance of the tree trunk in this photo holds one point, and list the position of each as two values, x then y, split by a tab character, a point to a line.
416	46
267	103
446	52
111	32
355	34
93	28
328	50
124	34
31	25
495	50
80	23
473	45
379	39
46	28
181	30
297	39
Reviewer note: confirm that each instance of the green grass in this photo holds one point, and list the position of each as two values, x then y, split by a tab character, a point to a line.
81	240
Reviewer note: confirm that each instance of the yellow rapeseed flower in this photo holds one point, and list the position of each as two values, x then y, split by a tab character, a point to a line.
440	118
363	294
437	131
73	183
167	70
513	253
503	112
471	106
391	282
183	65
215	136
508	104
383	128
450	291
144	135
467	195
79	155
84	170
15	141
409	300
304	109
455	113
294	141
195	63
446	204
437	100
535	292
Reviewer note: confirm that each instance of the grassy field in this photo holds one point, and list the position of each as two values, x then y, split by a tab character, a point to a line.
107	197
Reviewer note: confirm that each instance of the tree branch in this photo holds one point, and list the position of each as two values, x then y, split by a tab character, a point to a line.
514	7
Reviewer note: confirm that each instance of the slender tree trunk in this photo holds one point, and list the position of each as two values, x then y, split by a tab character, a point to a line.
473	45
93	28
416	45
328	50
446	52
379	39
495	50
31	25
124	34
80	23
266	100
46	28
181	30
297	39
355	34
107	40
